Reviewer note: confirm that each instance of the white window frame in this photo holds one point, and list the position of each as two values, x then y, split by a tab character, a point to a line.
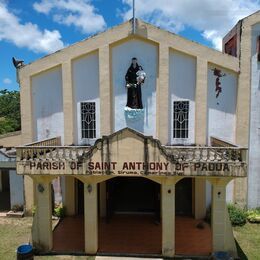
88	141
191	124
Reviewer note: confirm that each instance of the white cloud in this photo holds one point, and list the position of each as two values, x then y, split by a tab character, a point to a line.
212	18
79	13
27	35
7	81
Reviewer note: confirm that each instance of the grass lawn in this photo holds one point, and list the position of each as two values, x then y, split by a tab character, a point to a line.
17	231
14	232
248	238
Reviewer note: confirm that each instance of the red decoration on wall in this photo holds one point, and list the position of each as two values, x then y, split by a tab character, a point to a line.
218	74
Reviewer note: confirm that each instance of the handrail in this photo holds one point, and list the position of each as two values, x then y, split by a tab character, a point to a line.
179	154
54	141
217	142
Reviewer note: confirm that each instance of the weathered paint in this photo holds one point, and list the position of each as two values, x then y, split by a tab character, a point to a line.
85	74
222	110
47	104
254	135
16	189
182	84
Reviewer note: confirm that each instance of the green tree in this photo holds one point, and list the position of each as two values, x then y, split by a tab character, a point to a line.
10	118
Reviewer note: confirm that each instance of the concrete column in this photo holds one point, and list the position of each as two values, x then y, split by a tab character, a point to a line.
29	194
201	102
26	110
68	195
105	91
168	218
68	107
218	215
91	218
42	226
162	95
102	199
222	233
200	198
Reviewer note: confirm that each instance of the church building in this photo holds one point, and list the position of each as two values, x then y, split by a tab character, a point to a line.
148	135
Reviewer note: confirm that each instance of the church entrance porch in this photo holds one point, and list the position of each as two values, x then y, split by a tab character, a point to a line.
132	234
193	234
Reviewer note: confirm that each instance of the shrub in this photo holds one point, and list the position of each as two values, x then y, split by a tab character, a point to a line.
253	215
33	210
237	215
59	211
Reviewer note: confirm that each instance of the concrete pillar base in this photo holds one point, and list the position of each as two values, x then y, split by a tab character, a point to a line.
91	218
168	218
42	221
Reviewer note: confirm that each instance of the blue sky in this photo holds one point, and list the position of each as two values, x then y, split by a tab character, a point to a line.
33	28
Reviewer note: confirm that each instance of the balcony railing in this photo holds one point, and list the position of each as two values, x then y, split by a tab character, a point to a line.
55	141
207	154
190	156
55	153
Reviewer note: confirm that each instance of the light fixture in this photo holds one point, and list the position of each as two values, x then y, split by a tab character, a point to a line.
89	188
40	188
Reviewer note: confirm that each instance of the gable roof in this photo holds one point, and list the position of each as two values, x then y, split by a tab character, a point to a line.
113	35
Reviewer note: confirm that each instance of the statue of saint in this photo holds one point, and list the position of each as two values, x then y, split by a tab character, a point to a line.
134	77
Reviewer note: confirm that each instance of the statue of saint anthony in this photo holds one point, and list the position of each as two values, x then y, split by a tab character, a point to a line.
134	77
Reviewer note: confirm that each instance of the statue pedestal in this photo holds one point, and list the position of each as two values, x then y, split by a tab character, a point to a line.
134	113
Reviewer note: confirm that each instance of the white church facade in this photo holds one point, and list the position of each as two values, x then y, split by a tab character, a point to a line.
176	141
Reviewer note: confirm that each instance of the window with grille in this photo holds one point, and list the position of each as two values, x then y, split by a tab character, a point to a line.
88	119
180	119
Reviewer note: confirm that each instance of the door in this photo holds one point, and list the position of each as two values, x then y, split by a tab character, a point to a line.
183	197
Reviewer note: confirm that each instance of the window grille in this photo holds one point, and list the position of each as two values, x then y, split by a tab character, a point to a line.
180	119
88	119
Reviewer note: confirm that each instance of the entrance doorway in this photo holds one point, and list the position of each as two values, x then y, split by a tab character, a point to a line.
5	191
132	195
132	224
183	197
79	197
192	236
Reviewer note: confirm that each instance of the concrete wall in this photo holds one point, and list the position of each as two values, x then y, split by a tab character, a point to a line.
222	110
147	55
85	76
47	103
16	189
182	84
254	135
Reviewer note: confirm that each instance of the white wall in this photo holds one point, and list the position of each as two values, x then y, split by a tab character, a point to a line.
182	84
85	74
147	55
222	110
16	189
47	104
254	135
